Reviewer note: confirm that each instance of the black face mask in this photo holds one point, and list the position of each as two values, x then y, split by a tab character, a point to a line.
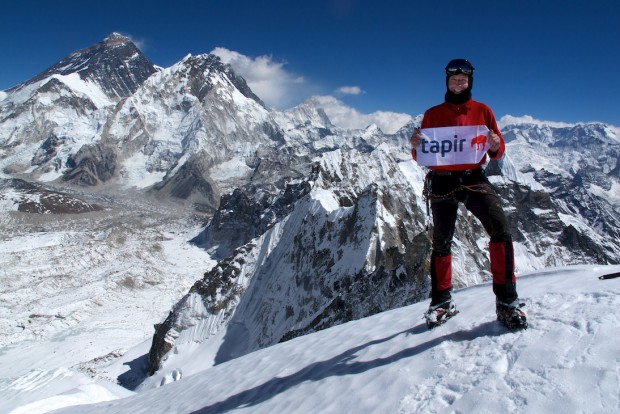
458	99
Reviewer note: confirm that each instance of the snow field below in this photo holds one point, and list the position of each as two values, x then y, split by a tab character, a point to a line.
567	361
80	292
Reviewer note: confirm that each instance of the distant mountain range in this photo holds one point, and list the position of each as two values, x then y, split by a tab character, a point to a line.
312	224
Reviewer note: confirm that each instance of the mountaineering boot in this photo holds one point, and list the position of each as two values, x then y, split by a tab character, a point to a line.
511	315
440	313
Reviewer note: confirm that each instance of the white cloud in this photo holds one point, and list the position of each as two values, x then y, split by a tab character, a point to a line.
267	78
346	117
350	90
281	89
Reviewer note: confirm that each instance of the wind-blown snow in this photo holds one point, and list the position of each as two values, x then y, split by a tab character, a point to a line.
567	361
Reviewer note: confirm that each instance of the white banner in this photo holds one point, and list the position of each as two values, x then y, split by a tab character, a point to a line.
452	145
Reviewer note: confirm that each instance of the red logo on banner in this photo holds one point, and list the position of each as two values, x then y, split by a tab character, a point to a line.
479	141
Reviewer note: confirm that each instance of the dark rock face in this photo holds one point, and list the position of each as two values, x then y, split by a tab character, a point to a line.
92	165
47	150
115	63
581	243
202	65
191	183
242	217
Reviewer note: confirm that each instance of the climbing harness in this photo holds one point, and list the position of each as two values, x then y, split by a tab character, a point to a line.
428	195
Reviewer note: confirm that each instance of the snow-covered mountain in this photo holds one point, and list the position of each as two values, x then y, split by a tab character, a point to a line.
46	120
110	165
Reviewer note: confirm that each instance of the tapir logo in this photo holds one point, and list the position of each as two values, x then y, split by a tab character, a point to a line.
455	145
480	141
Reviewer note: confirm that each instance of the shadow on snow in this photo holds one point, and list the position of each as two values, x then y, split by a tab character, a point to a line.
344	364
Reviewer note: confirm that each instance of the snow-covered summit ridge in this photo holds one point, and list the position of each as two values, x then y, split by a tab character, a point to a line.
564	361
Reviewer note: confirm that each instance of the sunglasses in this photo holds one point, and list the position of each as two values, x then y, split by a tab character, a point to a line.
459	66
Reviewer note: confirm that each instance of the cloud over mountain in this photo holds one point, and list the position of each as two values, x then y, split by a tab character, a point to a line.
268	78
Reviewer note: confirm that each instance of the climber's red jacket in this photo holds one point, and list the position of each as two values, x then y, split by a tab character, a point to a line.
470	113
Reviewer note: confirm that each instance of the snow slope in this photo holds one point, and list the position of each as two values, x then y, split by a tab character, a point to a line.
567	361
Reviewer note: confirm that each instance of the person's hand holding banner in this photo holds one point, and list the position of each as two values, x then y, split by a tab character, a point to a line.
452	145
494	141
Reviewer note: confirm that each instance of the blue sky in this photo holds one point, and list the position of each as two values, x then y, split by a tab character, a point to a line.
553	60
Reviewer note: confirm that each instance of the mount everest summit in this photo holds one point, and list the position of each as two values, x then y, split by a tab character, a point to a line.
303	224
